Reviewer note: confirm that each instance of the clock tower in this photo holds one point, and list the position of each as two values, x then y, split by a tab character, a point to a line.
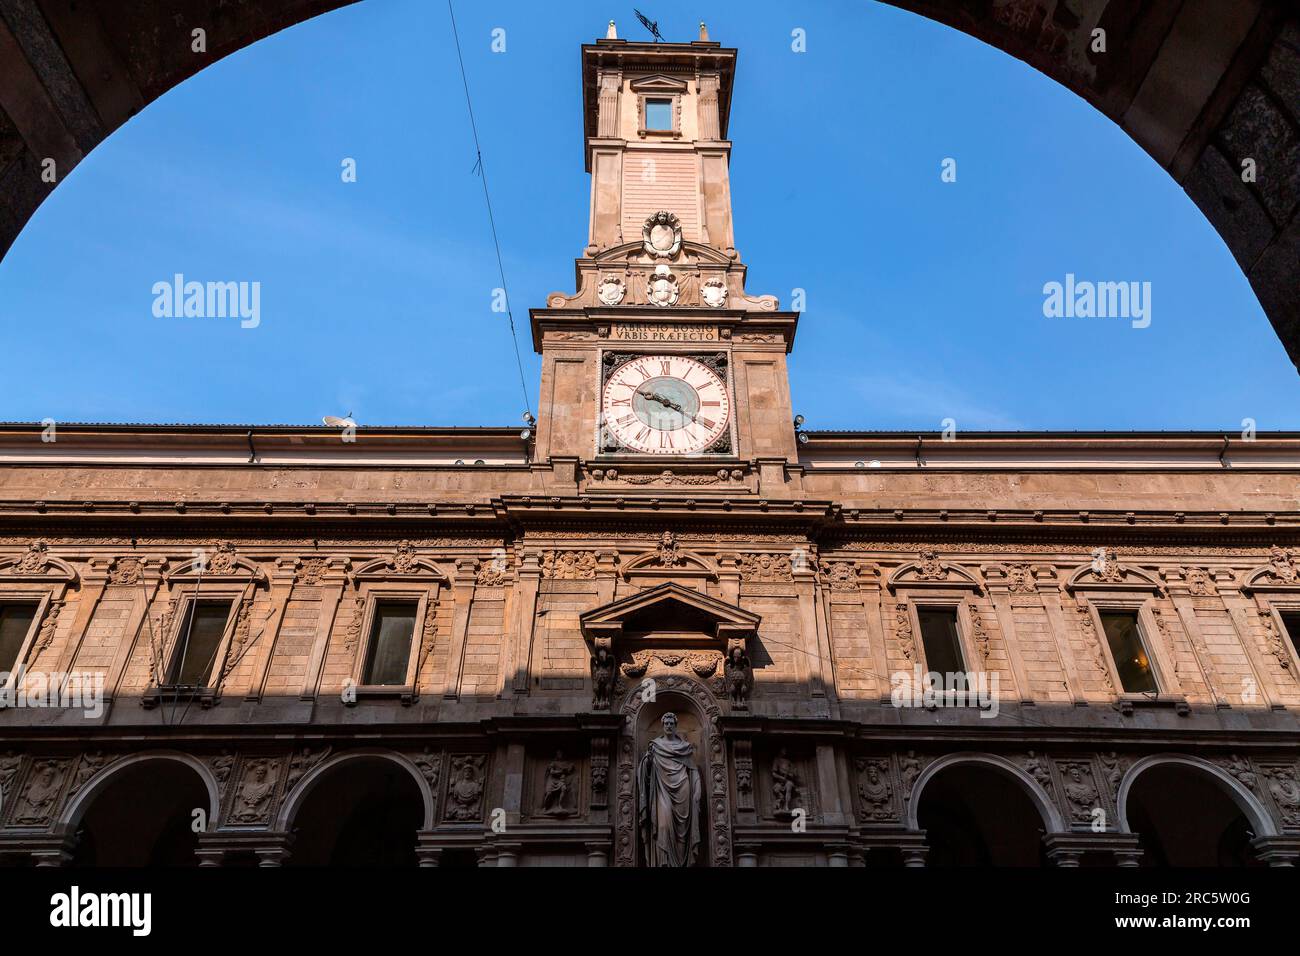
661	359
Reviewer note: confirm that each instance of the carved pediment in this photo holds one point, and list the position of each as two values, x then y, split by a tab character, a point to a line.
1282	573
677	615
221	562
658	83
669	559
1107	573
931	571
36	564
403	564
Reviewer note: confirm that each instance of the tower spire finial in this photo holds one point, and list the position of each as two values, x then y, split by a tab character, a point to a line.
704	31
611	33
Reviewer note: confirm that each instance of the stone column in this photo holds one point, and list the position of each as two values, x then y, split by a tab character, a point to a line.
530	577
138	627
838	855
913	847
597	854
810	665
747	854
462	589
508	854
999	590
427	852
263	643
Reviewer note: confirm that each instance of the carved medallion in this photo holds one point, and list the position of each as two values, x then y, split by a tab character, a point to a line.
662	235
714	293
662	288
611	290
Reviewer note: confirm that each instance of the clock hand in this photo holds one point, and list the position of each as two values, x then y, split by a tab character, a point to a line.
668	403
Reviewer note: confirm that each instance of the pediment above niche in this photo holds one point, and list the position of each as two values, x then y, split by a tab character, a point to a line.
672	615
658	83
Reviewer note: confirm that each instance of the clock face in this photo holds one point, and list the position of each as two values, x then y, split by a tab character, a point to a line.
666	405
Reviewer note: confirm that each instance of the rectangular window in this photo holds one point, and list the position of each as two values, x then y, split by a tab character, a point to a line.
1128	652
659	115
390	644
1291	621
15	622
939	636
197	643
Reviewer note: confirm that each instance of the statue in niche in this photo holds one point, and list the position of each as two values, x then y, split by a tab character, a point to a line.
738	676
785	785
668	794
557	796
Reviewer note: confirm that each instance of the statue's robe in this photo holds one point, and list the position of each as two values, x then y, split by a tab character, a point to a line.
668	794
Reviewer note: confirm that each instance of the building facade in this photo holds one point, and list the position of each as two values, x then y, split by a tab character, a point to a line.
452	646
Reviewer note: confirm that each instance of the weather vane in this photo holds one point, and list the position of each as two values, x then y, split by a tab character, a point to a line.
650	25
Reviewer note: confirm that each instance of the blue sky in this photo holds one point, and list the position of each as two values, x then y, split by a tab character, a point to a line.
924	298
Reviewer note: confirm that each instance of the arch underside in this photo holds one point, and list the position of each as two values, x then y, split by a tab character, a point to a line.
1202	86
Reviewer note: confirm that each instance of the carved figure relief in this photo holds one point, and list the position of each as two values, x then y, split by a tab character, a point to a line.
1080	790
785	785
256	793
558	795
569	565
602	675
875	792
465	790
738	676
765	568
36	804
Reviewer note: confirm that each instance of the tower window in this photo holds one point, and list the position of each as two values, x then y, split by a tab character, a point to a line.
197	643
390	644
1129	652
659	115
939	637
15	622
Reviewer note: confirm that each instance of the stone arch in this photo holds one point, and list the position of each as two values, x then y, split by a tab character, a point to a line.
294	799
77	806
1229	71
717	793
1246	801
1053	822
